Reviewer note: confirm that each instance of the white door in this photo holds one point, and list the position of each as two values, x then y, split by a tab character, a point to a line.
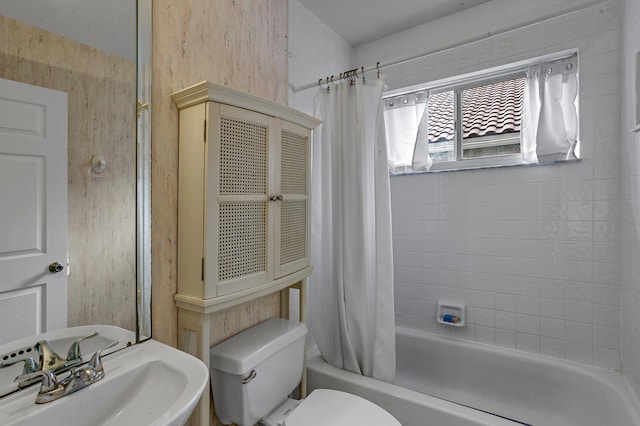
33	210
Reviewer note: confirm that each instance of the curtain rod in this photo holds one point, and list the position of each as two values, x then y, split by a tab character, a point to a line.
468	41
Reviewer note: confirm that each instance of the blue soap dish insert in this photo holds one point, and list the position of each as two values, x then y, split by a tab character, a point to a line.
452	314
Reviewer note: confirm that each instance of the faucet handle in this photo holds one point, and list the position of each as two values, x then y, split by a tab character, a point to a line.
49	359
74	350
96	360
49	380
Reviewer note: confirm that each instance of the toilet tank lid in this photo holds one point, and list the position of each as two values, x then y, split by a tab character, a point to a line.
242	352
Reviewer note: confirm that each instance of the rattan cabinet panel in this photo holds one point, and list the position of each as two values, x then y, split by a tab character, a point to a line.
243	213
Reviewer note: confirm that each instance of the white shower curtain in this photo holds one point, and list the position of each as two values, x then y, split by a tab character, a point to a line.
351	288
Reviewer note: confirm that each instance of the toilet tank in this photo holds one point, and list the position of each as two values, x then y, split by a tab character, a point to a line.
254	371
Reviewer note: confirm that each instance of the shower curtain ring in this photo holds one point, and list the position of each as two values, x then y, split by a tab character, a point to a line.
378	68
364	80
328	87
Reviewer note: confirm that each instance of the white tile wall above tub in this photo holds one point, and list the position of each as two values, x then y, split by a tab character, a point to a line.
585	217
533	251
630	226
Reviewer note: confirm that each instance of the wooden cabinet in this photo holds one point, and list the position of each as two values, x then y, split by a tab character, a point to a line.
243	212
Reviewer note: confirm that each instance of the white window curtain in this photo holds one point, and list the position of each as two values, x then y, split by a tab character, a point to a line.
406	121
351	289
550	112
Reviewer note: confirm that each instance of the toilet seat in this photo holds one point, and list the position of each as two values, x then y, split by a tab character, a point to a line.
324	407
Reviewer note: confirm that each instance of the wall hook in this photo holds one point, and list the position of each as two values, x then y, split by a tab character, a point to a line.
98	168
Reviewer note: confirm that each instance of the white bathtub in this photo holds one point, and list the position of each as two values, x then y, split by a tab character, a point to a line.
527	388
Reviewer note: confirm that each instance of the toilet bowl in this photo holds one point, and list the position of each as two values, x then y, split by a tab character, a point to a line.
324	407
253	373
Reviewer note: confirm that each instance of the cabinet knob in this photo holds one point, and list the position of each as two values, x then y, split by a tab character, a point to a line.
276	198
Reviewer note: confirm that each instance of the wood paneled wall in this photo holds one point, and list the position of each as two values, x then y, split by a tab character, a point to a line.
101	89
236	43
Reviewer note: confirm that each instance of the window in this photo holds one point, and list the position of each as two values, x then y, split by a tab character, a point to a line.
524	113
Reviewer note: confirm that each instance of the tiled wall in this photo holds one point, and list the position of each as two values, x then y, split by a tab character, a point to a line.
631	198
533	252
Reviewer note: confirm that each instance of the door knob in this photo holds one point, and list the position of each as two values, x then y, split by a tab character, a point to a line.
55	267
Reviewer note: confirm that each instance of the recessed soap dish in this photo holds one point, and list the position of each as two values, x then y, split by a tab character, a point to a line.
451	314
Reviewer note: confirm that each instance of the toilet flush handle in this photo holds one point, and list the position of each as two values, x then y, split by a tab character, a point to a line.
249	378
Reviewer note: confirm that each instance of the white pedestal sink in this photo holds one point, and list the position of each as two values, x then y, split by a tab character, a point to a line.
146	384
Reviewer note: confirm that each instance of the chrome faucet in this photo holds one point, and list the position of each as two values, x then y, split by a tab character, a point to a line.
48	359
78	378
74	349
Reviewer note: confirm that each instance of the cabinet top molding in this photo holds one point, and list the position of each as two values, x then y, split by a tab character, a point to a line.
207	91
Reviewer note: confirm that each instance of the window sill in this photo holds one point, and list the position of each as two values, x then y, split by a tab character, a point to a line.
479	164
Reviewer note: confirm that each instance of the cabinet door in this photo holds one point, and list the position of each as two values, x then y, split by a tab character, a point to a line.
237	197
292	219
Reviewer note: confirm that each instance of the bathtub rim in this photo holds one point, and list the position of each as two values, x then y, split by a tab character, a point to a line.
316	363
613	379
609	376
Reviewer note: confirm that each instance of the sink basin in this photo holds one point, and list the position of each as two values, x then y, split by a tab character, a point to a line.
146	384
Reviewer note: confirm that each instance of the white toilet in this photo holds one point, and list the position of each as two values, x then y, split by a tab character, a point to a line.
253	373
